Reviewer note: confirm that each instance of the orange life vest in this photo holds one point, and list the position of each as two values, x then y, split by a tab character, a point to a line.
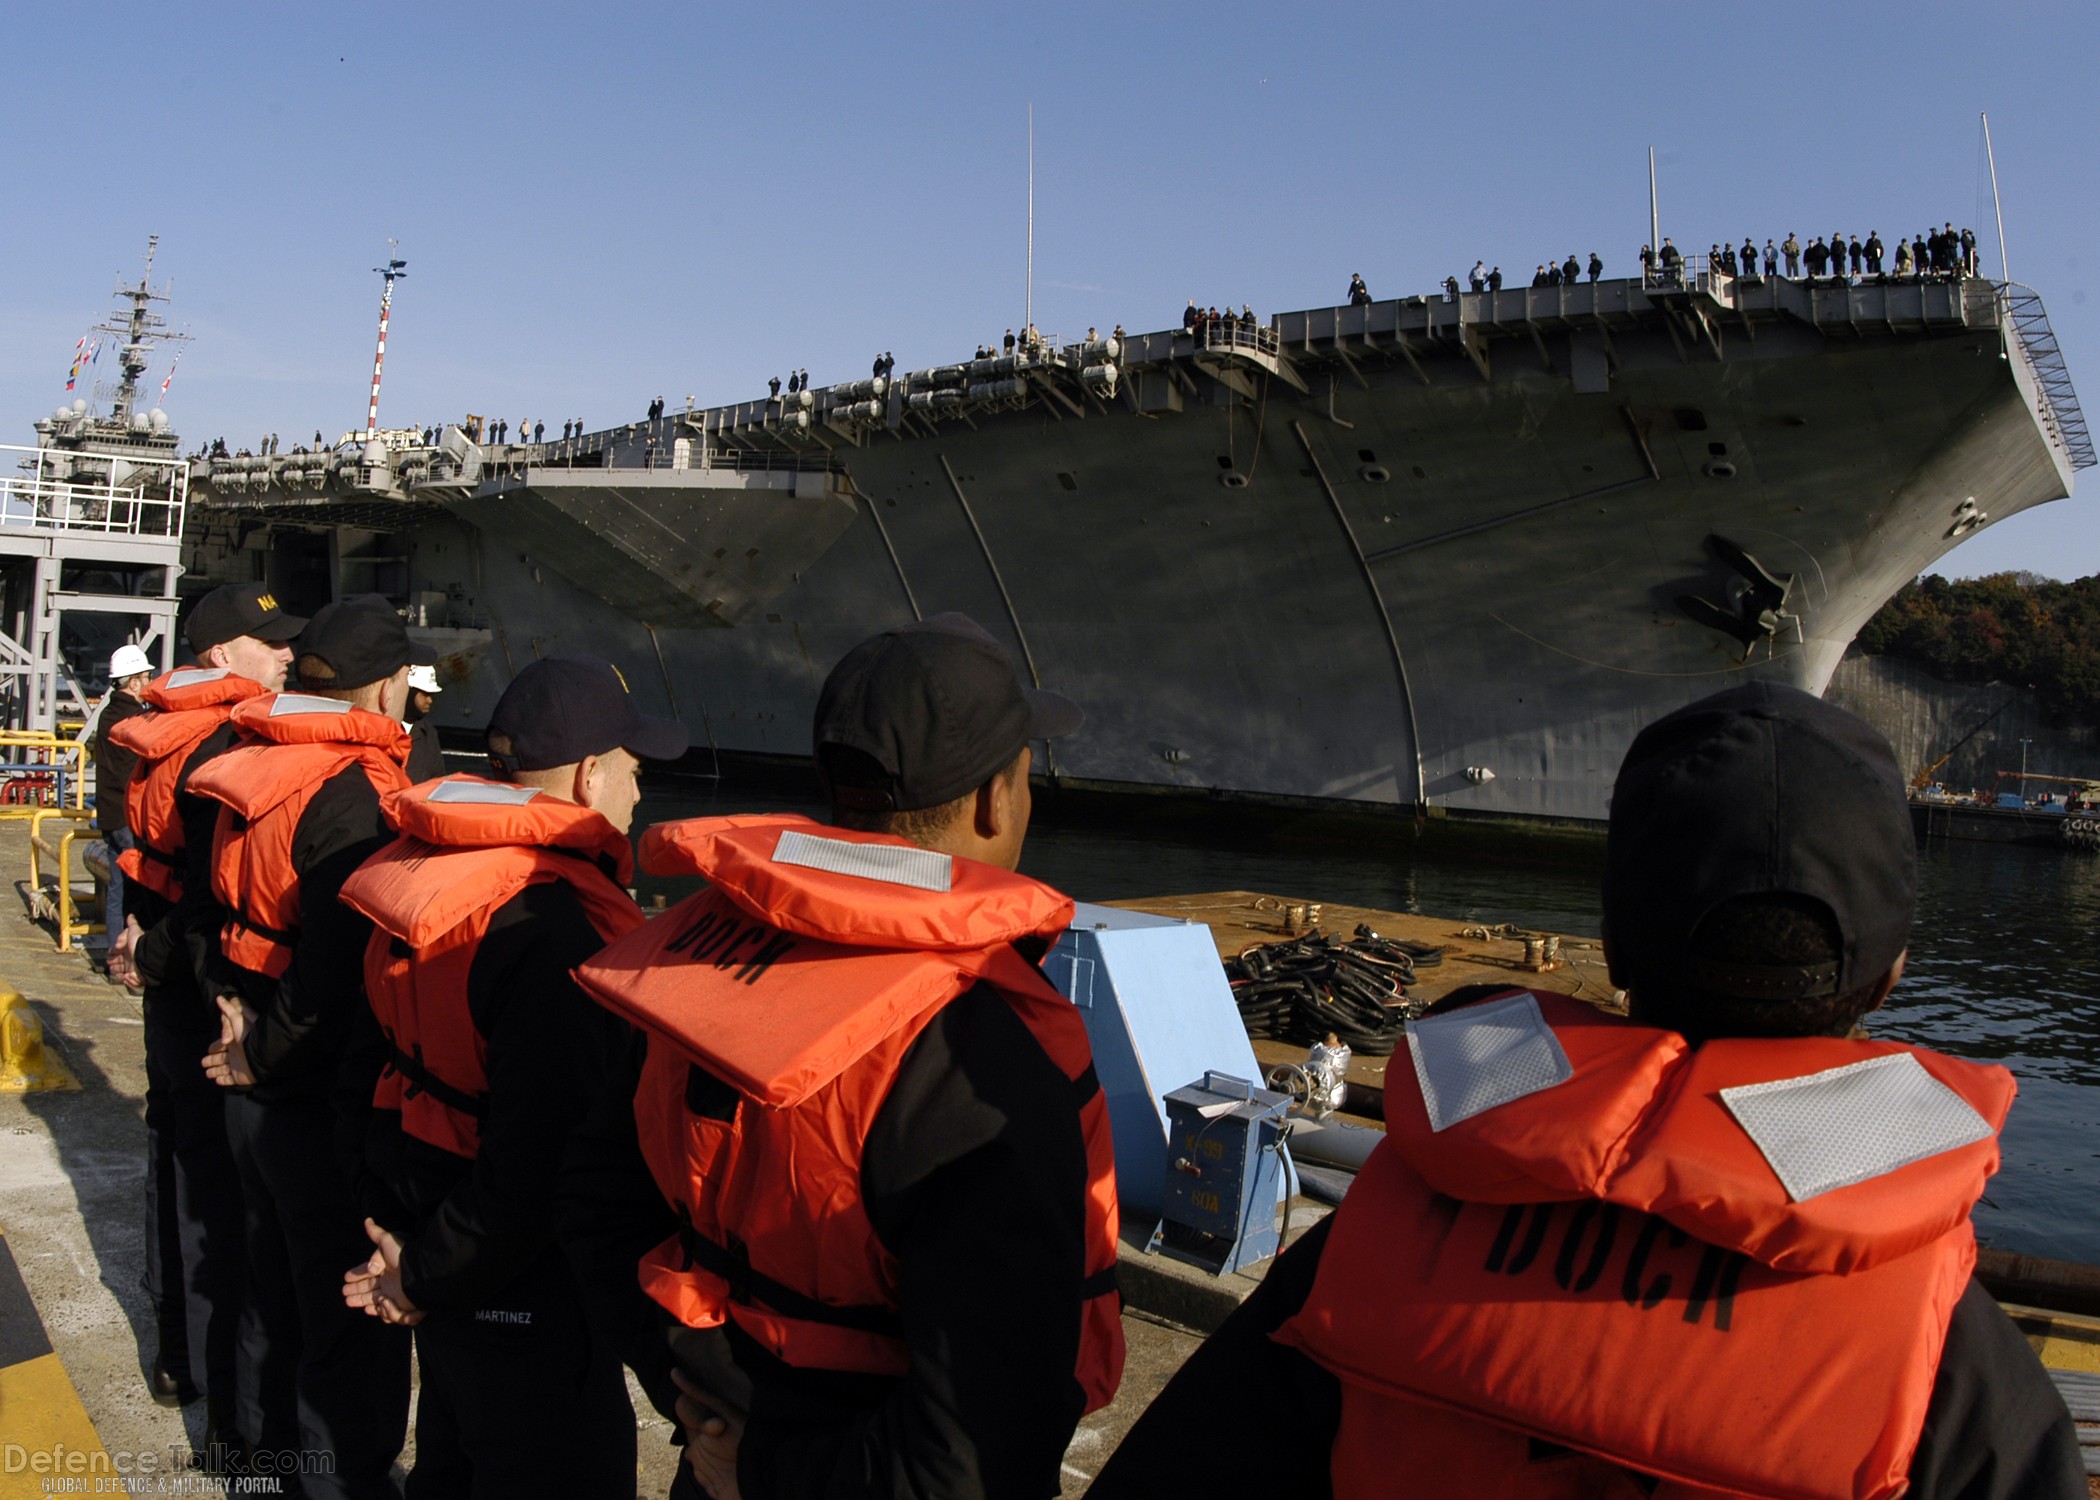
297	743
801	978
187	705
467	846
1613	1267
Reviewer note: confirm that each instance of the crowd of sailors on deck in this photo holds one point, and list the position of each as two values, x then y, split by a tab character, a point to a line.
1028	341
1567	273
1942	254
1199	320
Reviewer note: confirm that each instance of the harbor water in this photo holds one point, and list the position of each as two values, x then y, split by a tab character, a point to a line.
2004	958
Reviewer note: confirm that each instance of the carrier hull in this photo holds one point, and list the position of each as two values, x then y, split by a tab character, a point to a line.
1452	562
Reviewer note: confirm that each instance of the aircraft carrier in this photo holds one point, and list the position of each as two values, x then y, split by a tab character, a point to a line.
1442	554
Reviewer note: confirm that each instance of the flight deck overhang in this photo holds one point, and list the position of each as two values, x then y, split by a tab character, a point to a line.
669	547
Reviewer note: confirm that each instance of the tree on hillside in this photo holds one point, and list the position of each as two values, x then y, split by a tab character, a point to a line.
2019	628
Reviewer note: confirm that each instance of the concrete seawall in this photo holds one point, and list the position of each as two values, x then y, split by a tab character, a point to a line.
1982	724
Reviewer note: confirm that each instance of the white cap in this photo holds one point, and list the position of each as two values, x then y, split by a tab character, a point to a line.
128	661
424	679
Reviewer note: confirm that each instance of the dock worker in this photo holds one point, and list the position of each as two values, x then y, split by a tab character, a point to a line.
129	672
194	1254
1722	1244
876	1123
495	890
301	812
426	757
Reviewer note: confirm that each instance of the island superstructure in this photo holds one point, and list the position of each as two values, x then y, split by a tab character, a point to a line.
1444	554
91	528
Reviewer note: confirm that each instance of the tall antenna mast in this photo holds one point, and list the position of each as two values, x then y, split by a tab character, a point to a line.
140	329
1028	297
2004	269
394	269
1655	228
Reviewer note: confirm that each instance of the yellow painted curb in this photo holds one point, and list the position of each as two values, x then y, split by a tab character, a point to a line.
46	1438
45	1433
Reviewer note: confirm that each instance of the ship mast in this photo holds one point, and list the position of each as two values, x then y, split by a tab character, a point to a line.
1655	225
394	269
140	330
2004	268
1028	294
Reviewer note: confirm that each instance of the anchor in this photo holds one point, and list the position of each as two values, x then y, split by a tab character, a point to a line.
1760	607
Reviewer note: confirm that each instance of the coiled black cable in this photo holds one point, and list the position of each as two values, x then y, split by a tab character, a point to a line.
1301	989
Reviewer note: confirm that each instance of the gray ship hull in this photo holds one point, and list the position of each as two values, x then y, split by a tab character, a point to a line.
1446	572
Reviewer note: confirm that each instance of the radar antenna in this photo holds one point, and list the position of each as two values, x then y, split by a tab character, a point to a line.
140	329
394	269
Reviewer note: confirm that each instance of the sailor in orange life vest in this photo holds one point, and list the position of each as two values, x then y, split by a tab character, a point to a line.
890	1265
1723	1245
301	812
194	1259
494	891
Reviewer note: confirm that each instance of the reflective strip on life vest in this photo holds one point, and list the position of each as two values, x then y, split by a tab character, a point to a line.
1853	1124
495	793
893	864
1471	1060
304	703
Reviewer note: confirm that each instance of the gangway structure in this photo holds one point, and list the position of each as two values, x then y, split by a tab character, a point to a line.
82	535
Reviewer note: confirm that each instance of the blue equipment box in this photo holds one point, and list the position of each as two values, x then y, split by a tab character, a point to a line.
1224	1172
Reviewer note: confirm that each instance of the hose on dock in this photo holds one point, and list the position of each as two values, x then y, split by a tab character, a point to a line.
1300	989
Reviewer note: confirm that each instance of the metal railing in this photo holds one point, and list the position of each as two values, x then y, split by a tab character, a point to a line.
753	461
1693	272
2022	307
57	489
1236	333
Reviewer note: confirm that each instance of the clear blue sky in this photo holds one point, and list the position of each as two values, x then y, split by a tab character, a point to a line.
601	204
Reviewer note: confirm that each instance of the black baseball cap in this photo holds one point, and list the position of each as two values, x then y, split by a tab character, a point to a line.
362	639
562	708
938	709
1760	789
237	609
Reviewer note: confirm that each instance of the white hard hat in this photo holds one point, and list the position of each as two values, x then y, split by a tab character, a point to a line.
424	679
128	661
